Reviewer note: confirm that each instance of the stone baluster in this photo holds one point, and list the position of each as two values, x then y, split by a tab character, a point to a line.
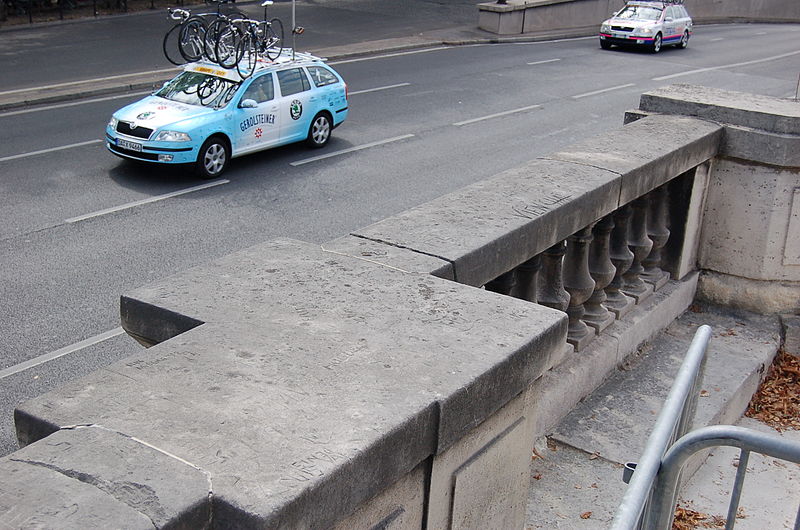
659	234
550	291
602	271
503	284
580	286
527	273
640	245
621	257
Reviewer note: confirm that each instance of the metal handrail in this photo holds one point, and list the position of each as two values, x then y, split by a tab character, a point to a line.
672	423
666	486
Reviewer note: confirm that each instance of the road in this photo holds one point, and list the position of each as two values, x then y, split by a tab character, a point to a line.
79	227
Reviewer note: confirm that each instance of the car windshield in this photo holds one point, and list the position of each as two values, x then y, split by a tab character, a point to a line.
640	13
196	88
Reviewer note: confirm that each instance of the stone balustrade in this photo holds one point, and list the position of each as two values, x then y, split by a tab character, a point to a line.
398	376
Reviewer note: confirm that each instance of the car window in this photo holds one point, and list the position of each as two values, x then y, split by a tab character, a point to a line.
260	89
640	13
322	76
293	81
197	88
684	13
672	12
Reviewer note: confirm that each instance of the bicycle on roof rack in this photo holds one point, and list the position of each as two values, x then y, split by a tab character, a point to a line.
190	32
241	42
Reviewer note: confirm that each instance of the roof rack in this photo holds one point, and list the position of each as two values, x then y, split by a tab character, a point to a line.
663	2
286	57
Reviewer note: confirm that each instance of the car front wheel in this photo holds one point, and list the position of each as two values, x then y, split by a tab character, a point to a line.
656	47
320	131
213	158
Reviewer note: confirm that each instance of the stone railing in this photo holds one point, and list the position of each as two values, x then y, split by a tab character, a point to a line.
398	376
546	18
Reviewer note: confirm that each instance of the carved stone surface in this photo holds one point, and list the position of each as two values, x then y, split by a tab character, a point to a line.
602	270
551	292
580	286
621	257
311	376
658	233
640	245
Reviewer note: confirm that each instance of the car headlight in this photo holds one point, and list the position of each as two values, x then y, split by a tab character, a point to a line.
112	123
646	31
172	136
605	28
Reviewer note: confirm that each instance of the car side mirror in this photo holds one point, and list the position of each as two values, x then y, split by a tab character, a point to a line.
248	104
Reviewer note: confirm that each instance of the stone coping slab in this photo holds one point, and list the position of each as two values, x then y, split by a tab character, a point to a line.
88	477
490	227
315	379
776	115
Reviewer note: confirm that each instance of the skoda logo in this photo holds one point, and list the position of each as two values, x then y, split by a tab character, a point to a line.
133	126
145	115
296	109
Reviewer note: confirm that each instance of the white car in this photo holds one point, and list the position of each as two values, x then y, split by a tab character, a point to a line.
650	25
208	114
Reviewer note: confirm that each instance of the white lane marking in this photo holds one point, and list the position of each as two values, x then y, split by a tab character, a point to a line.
50	150
73	103
398	54
350	150
544	62
717	39
376	89
87	81
602	91
47	357
720	67
146	201
499	114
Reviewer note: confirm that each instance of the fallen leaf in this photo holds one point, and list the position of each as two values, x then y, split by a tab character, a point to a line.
586	515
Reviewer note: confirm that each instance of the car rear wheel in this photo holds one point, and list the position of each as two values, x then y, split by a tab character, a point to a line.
213	158
684	40
320	131
656	46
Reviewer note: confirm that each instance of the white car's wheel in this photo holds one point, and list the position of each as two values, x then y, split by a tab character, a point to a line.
656	46
684	40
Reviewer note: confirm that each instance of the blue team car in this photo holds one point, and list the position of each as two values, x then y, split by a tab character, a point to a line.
207	114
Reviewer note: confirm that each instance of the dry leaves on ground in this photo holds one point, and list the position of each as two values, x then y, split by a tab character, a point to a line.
688	519
777	402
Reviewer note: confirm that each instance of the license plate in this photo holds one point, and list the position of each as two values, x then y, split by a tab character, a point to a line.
125	144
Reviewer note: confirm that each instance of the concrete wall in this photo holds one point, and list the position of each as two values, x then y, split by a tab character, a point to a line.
372	381
583	17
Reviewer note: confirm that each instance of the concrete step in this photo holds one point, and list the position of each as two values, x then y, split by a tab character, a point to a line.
577	470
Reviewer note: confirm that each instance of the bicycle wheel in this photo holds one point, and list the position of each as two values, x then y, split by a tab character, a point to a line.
213	31
272	34
170	46
227	48
248	56
190	42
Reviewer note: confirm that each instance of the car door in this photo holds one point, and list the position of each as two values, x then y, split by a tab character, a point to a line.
296	104
672	32
256	121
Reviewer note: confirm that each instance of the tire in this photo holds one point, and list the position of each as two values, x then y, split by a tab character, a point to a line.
273	38
213	158
656	46
170	46
320	130
191	39
247	53
605	45
229	46
684	41
214	30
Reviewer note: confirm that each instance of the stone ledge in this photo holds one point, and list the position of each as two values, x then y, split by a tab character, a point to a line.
346	389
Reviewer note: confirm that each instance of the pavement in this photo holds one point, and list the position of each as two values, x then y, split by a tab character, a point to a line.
75	67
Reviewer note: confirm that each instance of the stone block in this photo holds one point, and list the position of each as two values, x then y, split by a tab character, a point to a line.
481	481
91	478
314	381
404	259
490	227
643	155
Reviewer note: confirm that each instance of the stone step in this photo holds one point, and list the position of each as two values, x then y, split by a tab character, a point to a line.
577	470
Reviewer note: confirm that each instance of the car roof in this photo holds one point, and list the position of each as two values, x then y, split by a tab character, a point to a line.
287	57
653	3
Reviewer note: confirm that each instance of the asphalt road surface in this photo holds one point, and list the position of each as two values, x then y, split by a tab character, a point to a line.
79	227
